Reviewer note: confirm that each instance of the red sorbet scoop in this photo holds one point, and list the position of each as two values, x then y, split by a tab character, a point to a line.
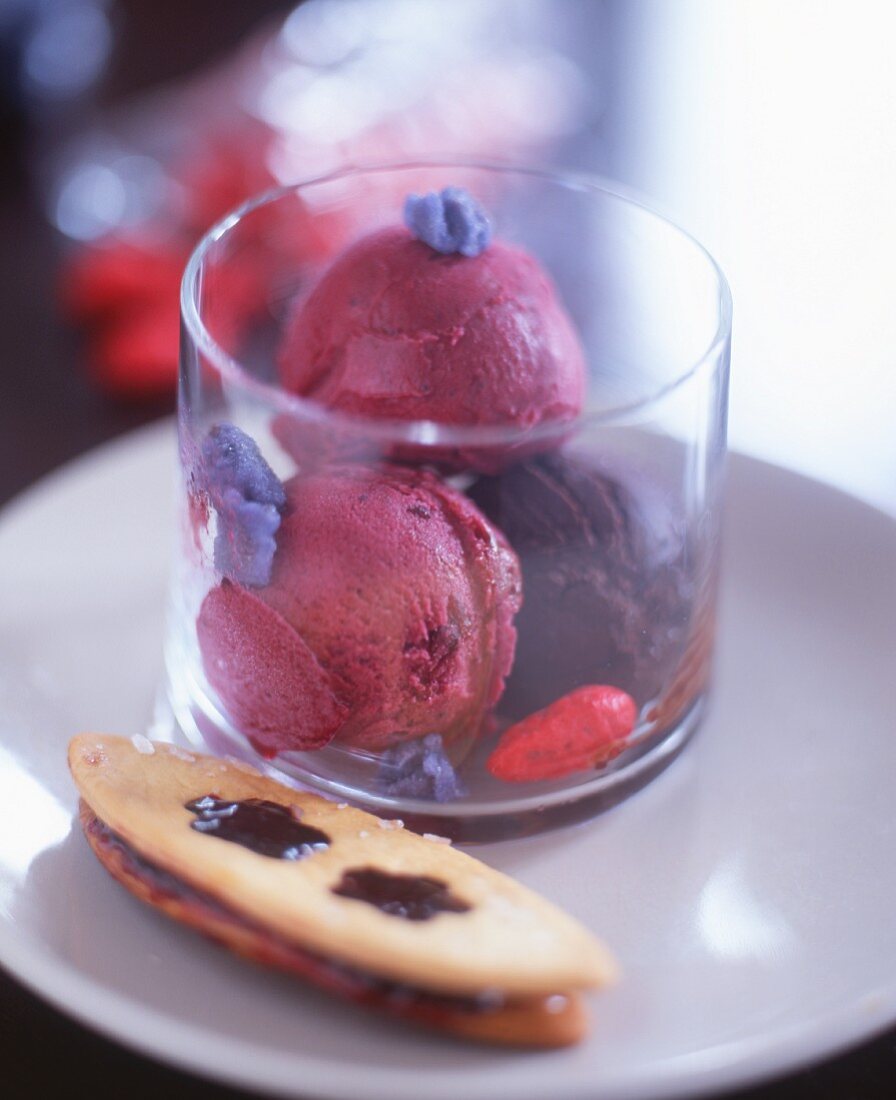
397	330
389	615
269	679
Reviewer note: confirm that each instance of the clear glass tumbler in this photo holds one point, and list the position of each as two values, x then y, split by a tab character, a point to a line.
449	523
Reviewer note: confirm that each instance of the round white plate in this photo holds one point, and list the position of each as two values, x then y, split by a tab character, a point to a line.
749	891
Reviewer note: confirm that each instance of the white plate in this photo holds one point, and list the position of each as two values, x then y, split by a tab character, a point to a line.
749	891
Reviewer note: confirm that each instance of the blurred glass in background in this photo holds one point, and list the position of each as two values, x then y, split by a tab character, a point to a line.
336	82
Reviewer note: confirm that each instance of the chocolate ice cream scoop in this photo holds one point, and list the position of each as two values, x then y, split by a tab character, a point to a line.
606	577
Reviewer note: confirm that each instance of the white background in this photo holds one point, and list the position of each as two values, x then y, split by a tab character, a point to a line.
768	129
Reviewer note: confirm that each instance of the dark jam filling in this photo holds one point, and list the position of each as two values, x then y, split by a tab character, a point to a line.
336	977
412	897
261	826
273	830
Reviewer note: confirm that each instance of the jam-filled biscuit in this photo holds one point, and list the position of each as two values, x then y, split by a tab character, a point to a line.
354	904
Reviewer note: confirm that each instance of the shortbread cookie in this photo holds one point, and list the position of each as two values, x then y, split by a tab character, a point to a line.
351	902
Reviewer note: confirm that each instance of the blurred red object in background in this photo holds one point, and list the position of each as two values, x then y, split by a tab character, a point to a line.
126	297
298	102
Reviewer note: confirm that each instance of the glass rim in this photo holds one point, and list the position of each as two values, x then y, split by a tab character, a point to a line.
429	432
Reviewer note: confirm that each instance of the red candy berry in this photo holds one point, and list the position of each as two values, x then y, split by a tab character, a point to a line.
579	731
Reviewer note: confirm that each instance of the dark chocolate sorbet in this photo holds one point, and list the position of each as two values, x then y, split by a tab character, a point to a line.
262	826
412	897
606	578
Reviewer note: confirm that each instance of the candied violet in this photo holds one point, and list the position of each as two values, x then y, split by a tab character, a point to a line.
449	221
231	460
419	769
247	496
245	544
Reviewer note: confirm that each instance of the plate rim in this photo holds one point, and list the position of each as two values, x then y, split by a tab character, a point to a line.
725	1066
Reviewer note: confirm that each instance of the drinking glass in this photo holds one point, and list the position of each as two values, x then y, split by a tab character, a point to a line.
380	608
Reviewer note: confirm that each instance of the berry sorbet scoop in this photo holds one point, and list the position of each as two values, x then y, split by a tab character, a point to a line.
388	616
434	320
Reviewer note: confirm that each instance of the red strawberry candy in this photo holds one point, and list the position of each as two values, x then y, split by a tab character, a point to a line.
579	731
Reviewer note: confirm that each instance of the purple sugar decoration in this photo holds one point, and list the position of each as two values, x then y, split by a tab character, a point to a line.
419	769
449	221
245	543
247	496
231	460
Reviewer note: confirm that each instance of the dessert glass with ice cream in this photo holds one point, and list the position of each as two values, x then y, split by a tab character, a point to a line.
452	442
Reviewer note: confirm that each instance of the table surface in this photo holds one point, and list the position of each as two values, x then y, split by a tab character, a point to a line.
49	414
